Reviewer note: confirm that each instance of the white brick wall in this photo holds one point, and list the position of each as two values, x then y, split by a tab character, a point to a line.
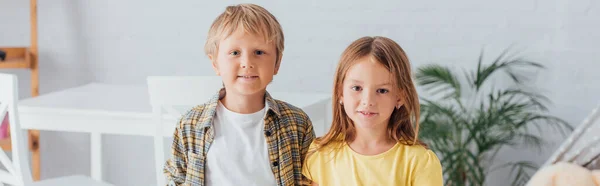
124	41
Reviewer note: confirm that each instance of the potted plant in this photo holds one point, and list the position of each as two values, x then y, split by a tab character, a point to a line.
466	120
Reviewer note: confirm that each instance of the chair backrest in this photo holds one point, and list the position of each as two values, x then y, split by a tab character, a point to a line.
168	92
18	170
582	145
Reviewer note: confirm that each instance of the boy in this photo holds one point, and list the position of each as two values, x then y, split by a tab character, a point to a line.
242	136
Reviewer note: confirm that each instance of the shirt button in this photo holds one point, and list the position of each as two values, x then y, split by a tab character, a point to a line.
268	133
275	163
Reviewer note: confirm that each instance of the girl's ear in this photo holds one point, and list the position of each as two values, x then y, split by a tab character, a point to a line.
401	100
399	104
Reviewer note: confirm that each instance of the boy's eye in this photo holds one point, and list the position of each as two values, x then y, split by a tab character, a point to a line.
382	91
259	52
356	88
235	53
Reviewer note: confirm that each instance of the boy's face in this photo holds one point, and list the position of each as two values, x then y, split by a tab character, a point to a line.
368	95
246	62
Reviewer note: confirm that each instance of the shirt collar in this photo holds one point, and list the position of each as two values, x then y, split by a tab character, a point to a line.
211	106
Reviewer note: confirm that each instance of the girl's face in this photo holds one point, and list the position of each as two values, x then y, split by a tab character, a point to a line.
368	95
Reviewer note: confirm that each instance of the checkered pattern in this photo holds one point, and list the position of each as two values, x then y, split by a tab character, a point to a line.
288	131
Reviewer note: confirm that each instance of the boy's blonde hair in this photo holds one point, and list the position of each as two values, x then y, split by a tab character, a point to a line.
252	19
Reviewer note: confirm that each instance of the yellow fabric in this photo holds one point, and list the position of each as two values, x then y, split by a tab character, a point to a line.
401	165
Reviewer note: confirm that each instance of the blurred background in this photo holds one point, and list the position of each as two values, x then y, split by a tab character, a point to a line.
122	42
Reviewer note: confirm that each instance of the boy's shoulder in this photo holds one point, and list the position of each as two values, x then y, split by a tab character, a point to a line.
287	111
289	117
197	116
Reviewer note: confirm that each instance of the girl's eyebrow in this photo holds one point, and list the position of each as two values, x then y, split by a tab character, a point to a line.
355	81
360	82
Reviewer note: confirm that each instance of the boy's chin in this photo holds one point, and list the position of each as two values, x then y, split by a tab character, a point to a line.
245	89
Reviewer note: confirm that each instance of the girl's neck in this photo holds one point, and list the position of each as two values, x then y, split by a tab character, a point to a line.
371	141
244	104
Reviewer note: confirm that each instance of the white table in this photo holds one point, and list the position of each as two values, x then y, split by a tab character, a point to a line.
98	108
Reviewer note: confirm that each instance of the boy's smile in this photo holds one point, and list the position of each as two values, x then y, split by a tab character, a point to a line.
248	78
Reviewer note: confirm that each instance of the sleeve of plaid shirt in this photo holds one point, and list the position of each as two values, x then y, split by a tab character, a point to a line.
176	165
309	136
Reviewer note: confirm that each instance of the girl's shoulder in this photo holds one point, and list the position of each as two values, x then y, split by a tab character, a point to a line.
418	153
317	147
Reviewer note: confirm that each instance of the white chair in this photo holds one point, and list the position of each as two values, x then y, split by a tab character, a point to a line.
168	92
18	171
582	147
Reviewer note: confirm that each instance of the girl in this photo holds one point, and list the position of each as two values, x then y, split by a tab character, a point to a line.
373	139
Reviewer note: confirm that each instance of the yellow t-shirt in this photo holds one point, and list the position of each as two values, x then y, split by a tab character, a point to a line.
401	165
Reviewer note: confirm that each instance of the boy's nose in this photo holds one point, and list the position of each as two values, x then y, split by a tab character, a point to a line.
246	63
247	66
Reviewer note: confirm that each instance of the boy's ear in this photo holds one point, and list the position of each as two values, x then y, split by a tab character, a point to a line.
214	64
277	64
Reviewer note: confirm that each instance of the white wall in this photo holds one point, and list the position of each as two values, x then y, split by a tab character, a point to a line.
124	41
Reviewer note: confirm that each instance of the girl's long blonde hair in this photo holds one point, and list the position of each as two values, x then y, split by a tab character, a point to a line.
403	126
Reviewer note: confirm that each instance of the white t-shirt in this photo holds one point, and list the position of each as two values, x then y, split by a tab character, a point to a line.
238	154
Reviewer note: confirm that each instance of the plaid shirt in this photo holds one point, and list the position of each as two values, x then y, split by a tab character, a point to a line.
288	131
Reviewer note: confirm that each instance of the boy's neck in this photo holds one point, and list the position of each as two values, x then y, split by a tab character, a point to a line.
244	104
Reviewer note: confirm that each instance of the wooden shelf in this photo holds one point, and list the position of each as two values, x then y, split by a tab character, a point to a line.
5	144
16	57
15	63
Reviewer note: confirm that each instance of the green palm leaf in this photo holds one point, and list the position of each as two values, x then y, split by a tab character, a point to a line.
437	79
500	63
468	127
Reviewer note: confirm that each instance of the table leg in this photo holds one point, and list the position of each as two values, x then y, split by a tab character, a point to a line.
34	146
96	153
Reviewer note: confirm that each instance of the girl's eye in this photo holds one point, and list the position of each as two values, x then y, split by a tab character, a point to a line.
356	88
259	52
382	91
235	53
